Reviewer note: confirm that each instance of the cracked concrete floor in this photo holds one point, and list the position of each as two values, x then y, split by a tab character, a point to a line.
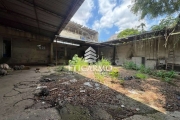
11	109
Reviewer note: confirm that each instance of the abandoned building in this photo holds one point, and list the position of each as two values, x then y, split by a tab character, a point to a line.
155	49
77	31
27	36
27	33
74	39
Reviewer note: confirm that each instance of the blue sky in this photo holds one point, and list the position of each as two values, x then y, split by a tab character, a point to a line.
109	17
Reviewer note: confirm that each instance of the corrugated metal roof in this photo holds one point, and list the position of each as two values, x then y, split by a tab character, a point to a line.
43	17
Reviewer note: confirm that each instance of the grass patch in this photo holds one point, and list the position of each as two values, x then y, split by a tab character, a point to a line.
103	62
130	65
99	77
141	76
114	73
164	75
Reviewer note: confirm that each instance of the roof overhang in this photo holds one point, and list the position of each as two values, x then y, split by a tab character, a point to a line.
78	41
42	17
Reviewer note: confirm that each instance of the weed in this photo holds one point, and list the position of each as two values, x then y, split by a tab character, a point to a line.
103	62
121	82
60	68
141	76
77	63
114	73
166	79
145	70
99	77
165	75
130	65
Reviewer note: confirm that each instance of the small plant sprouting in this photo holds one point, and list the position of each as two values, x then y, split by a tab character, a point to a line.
99	77
114	73
141	76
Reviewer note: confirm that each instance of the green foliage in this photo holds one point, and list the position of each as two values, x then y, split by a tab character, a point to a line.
128	32
168	22
154	8
99	77
164	75
103	62
77	63
114	73
145	70
141	76
121	82
130	65
60	68
142	25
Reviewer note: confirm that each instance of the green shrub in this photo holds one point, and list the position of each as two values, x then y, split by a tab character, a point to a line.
121	82
141	76
60	68
165	75
77	63
114	73
145	70
130	65
99	77
103	62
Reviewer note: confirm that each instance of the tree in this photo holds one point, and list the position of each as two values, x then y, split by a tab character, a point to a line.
154	8
142	25
168	22
128	32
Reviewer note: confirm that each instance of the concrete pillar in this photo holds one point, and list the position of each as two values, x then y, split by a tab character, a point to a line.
51	52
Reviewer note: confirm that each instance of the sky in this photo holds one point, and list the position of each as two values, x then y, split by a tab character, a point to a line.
109	17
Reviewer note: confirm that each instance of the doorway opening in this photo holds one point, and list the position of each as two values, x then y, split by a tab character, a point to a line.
6	48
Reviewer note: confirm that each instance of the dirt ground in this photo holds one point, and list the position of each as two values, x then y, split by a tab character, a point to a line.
79	96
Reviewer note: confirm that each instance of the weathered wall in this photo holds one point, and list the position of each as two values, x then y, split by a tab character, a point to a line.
27	52
24	48
151	50
107	52
66	52
68	34
1	47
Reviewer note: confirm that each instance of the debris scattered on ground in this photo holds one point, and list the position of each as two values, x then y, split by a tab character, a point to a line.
88	84
21	67
122	106
137	109
4	66
82	91
65	83
3	72
132	92
37	70
73	80
53	89
41	87
44	92
47	80
128	78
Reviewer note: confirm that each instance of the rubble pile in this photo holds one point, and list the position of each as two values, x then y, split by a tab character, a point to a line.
79	92
84	92
4	69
